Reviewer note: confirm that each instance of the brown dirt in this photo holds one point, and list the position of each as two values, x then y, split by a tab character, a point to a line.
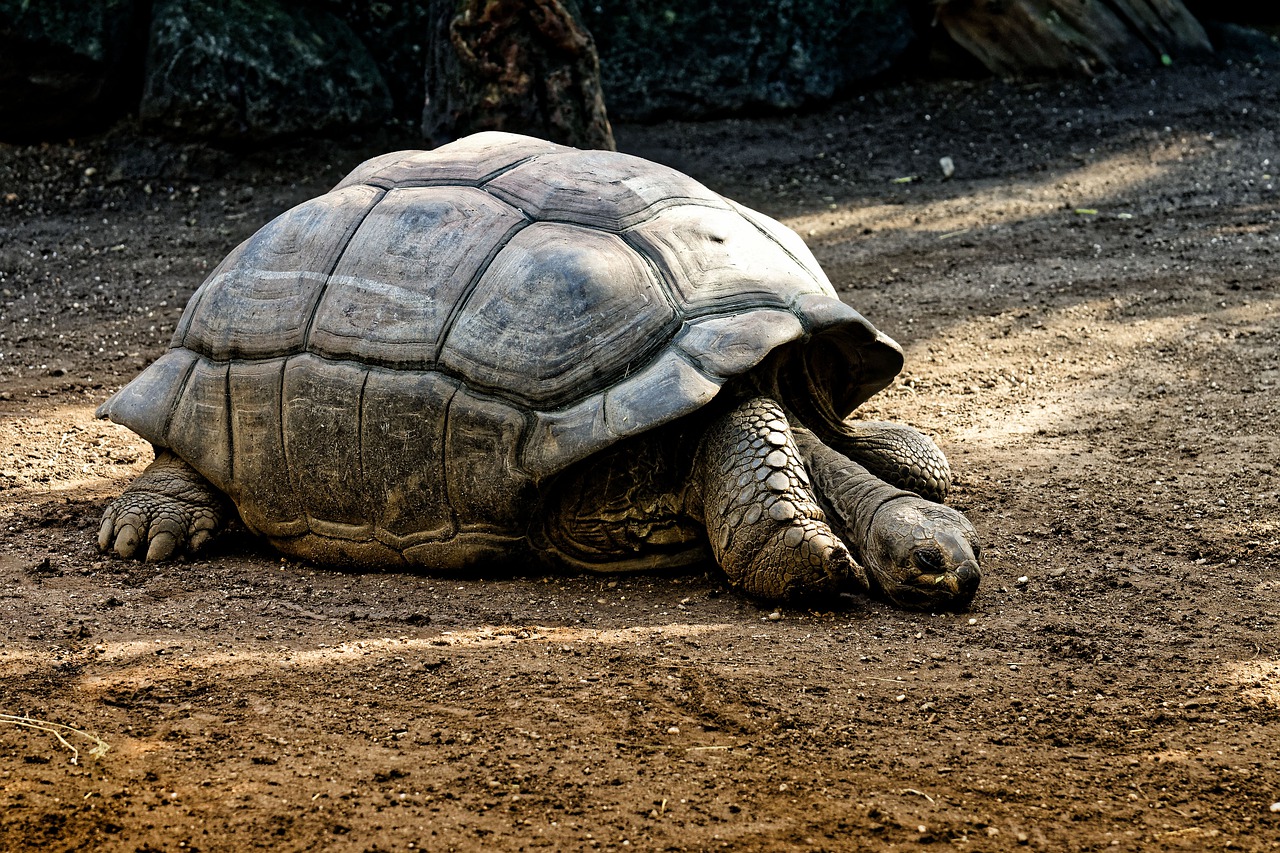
1090	314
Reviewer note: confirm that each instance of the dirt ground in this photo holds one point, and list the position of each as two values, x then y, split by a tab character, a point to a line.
1091	318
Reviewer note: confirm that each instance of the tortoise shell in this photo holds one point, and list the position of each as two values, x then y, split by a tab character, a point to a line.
403	360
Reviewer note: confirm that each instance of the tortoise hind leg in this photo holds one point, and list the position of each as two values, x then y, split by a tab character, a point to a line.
169	509
766	529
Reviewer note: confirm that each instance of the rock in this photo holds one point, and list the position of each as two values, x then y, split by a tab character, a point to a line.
241	70
66	65
1243	44
1055	37
694	60
395	33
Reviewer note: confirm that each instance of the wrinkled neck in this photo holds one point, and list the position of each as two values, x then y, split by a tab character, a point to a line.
849	493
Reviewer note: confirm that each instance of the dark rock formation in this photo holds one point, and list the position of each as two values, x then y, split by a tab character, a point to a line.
66	65
242	70
691	60
1050	37
395	32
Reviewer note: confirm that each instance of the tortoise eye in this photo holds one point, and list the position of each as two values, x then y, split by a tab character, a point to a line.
928	560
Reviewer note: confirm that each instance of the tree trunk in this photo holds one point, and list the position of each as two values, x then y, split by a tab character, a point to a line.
1028	37
523	66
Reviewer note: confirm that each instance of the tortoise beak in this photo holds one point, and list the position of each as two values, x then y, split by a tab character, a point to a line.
951	589
963	580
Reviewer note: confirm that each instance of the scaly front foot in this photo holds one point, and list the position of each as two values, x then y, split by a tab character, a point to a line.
767	531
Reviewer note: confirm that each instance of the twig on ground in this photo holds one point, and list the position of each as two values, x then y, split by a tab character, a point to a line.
100	746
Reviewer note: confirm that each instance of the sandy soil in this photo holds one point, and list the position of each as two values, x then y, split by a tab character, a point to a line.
1090	313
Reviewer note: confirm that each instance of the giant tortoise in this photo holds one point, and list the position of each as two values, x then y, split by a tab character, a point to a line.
506	347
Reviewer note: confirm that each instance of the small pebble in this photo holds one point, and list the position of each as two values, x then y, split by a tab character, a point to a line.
922	829
973	621
901	697
948	166
1275	807
673	730
775	616
1022	581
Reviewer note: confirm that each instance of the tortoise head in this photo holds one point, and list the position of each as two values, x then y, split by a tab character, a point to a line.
922	555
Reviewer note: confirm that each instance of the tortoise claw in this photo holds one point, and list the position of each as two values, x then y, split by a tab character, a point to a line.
126	540
163	544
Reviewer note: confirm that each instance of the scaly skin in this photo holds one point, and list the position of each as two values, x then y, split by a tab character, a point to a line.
169	509
767	531
896	454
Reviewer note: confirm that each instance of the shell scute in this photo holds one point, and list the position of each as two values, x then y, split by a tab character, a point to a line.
787	239
732	344
199	430
716	261
606	190
468	162
562	311
146	404
320	403
390	297
262	490
669	381
487	488
259	302
404	413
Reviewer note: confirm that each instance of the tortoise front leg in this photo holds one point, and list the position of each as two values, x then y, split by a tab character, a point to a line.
766	529
169	509
897	454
